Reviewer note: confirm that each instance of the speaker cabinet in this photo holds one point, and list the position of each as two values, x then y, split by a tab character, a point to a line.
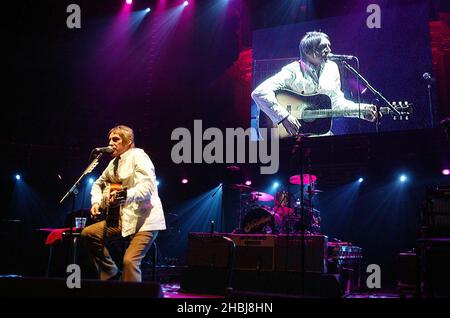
254	252
208	250
288	253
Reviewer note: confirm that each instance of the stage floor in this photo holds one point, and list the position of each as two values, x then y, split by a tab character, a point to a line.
173	290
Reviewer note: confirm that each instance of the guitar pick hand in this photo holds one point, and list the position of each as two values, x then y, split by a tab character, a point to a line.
291	124
117	197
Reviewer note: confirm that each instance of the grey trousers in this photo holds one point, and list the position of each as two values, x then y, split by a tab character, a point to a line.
95	237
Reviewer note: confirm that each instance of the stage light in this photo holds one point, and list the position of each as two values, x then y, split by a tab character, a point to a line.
91	180
446	172
129	1
157	183
360	180
275	185
248	182
18	177
403	178
184	181
147	10
186	3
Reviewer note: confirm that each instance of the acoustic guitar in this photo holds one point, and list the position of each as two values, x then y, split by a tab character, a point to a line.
315	112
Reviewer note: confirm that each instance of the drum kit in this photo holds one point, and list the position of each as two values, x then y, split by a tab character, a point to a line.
281	213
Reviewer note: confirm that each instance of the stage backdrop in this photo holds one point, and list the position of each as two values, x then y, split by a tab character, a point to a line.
392	58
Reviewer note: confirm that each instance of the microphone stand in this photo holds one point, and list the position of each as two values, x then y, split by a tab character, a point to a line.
373	90
221	211
74	191
298	148
430	102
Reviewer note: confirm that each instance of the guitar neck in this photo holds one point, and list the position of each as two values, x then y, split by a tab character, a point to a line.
328	113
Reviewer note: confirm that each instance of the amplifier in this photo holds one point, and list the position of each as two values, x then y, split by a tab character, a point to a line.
434	262
288	255
254	251
207	250
406	270
435	220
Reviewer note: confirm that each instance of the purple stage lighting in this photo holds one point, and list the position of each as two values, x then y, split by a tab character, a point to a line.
129	1
446	172
185	3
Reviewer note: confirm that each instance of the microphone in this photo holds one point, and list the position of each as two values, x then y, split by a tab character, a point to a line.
427	76
104	149
336	57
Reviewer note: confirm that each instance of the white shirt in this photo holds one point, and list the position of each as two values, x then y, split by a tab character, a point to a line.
142	210
300	77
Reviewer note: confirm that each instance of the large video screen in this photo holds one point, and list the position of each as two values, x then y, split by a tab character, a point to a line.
393	56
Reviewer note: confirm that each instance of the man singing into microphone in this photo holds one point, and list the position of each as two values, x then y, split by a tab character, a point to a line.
314	73
133	205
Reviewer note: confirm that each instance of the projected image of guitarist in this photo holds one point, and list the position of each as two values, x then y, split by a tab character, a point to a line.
306	90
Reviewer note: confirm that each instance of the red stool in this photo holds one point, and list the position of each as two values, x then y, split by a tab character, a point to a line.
58	235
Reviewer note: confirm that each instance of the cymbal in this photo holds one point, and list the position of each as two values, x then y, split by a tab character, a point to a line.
307	179
242	187
314	191
263	197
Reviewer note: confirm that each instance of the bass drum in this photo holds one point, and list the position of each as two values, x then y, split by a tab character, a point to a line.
258	221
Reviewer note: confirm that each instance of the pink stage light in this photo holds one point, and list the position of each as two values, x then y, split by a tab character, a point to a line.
184	181
129	1
186	3
248	182
446	172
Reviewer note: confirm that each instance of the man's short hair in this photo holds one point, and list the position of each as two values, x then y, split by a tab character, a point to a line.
310	42
125	132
